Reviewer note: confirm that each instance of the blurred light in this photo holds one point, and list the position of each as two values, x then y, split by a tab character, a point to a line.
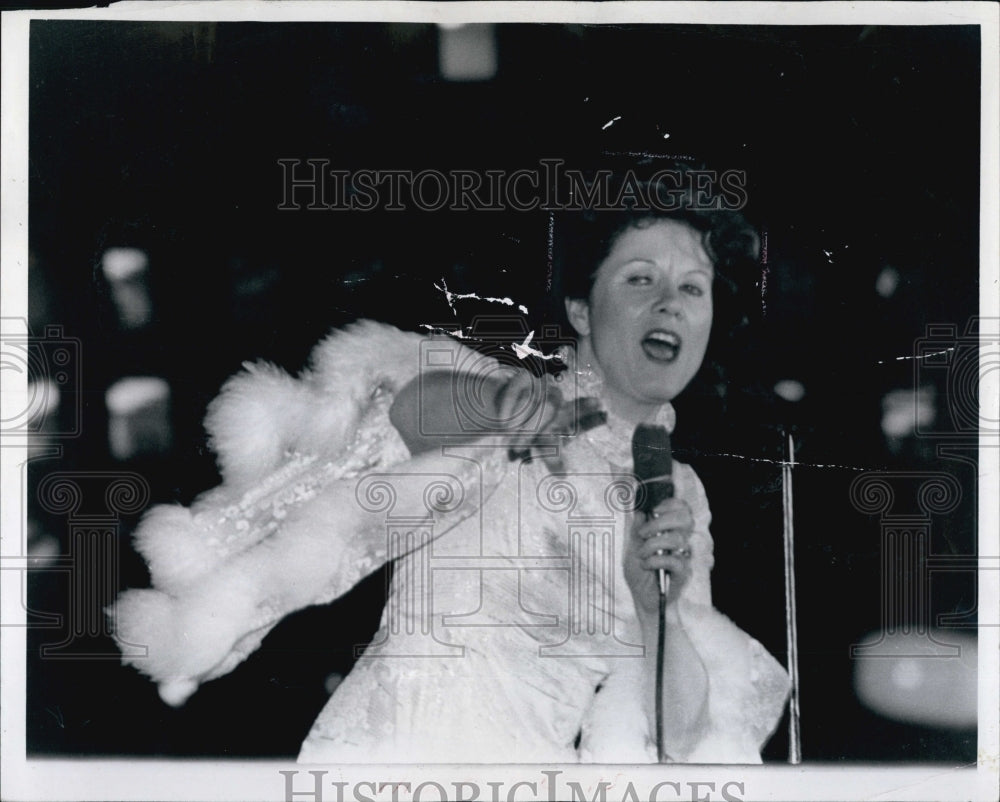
126	270
467	52
121	264
42	551
138	417
908	682
43	402
904	410
791	390
887	282
333	682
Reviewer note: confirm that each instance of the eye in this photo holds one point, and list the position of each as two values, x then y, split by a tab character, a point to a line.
639	280
695	290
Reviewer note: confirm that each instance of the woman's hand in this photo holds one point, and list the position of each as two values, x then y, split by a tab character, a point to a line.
661	542
526	402
533	411
527	411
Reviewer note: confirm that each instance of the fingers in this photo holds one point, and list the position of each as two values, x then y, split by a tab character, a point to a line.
671	515
533	412
645	581
670	506
670	553
677	567
670	544
663	541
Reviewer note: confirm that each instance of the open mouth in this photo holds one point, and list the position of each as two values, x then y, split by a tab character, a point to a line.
662	345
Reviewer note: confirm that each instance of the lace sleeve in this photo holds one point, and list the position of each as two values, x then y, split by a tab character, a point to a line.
747	687
228	570
689	488
746	696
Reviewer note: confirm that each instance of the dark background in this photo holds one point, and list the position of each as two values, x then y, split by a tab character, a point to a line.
861	145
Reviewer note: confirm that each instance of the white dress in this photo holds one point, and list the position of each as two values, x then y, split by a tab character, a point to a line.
509	635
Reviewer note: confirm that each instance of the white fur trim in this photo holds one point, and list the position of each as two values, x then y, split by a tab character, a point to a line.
364	355
211	605
188	636
248	423
263	412
174	547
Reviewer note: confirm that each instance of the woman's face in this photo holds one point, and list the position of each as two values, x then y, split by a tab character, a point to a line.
645	326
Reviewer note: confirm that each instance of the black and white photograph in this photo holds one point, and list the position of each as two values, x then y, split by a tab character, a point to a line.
500	401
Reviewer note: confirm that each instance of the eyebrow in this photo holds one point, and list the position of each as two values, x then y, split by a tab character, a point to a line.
708	270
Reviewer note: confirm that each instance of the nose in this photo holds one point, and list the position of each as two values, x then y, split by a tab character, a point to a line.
669	300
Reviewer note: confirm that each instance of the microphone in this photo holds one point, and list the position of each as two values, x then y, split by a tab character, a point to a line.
653	465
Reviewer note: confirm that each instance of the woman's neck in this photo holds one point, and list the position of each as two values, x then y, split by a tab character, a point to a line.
618	403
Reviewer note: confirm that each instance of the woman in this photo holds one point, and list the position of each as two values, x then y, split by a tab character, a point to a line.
522	620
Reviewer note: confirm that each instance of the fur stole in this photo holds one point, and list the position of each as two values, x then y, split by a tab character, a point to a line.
263	413
284	529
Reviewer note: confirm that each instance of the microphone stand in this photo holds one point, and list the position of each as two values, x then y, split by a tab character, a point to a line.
791	629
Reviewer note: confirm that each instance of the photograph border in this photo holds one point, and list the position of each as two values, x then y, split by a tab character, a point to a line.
102	779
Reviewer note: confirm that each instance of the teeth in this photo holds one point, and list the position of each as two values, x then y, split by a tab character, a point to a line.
664	337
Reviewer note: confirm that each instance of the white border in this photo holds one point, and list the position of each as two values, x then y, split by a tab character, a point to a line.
960	12
259	780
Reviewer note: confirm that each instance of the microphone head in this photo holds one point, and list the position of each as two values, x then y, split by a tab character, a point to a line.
653	465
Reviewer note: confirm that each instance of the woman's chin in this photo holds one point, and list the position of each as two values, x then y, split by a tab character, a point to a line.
662	386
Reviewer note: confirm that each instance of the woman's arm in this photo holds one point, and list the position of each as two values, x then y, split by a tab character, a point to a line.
319	547
662	543
723	693
443	407
685	685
